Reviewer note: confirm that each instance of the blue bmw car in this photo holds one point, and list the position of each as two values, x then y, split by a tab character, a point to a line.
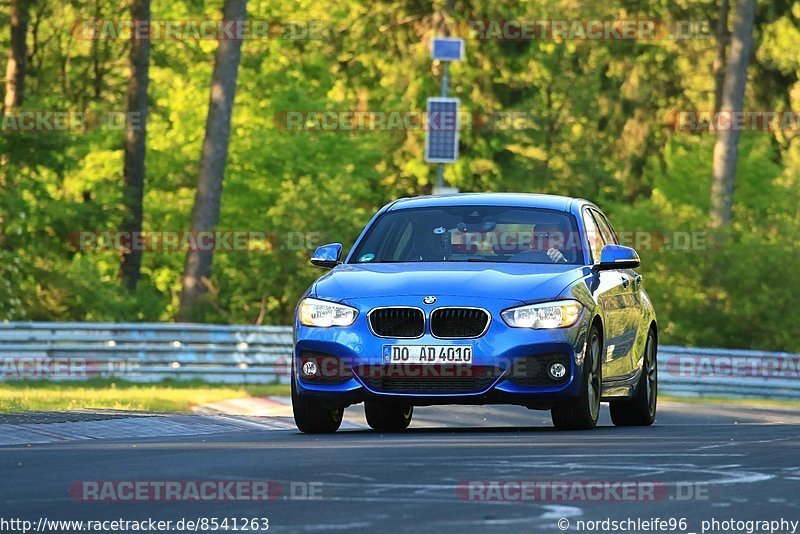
477	299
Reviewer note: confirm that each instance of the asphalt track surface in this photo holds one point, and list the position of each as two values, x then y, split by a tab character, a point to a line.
728	462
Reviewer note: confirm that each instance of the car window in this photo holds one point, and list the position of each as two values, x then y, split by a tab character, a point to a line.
593	236
472	234
609	237
397	230
403	243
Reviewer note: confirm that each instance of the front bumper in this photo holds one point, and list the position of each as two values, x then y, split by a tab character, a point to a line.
501	352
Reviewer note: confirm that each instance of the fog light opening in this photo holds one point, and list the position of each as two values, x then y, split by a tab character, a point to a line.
557	371
310	368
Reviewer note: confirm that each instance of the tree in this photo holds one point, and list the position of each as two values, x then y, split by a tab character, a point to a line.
135	144
17	53
723	36
197	268
726	149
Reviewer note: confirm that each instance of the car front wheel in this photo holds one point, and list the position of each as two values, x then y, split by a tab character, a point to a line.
312	416
582	412
641	409
388	417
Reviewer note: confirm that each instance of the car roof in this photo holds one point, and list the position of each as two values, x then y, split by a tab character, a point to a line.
517	200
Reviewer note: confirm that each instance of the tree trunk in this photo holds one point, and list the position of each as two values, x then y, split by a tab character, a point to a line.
135	145
15	69
723	36
726	149
197	269
97	68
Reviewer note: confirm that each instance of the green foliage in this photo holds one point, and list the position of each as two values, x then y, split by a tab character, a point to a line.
600	127
739	292
112	394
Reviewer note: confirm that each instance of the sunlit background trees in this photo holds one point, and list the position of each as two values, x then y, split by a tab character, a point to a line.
604	128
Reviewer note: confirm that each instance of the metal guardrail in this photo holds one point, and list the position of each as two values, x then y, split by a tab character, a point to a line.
150	352
145	352
696	372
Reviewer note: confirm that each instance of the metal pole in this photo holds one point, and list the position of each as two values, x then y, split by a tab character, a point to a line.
445	78
443	93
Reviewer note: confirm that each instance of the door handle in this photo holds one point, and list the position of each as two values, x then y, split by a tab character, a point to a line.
625	282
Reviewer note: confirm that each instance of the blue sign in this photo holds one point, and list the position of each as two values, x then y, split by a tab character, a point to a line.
447	49
441	130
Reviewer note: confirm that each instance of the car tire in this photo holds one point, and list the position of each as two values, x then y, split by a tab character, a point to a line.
582	412
312	416
641	409
388	417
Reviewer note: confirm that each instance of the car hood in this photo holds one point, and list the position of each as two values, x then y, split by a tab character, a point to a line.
513	281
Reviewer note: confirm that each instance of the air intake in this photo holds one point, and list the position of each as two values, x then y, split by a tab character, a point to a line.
397	322
455	323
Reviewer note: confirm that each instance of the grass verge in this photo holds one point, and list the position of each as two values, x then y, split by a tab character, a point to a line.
101	393
180	396
752	402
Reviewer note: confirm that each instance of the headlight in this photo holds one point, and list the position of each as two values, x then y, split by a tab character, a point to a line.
314	312
558	314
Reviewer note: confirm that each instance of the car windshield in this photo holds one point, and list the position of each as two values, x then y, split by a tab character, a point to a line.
472	233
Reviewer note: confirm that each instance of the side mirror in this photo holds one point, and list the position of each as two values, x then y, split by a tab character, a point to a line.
327	256
617	257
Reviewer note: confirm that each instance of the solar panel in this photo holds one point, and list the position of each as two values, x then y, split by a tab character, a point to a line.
441	133
447	49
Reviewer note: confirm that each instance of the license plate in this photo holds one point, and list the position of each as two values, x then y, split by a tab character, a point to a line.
427	354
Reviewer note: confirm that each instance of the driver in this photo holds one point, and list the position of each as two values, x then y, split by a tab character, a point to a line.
550	236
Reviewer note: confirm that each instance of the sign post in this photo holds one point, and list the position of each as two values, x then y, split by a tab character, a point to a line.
441	135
